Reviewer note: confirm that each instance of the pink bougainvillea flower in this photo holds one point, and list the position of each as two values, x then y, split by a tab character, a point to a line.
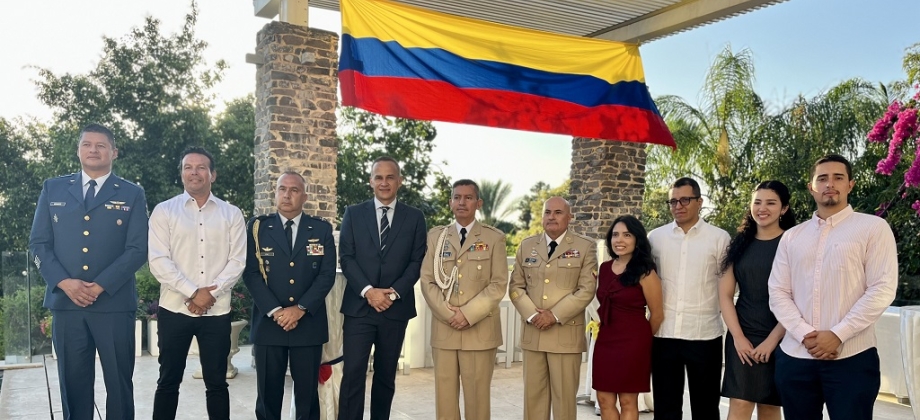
916	207
881	128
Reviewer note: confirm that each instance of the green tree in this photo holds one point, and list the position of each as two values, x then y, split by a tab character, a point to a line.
523	205
368	136
19	185
535	203
495	209
233	145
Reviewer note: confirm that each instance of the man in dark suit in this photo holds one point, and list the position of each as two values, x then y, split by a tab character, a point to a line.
89	237
290	268
381	247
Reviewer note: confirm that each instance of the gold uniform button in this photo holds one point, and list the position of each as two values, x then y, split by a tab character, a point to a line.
292	281
461	292
292	263
459	276
85	268
479	267
85	233
548	265
569	264
86	217
85	250
546	281
459	261
291	299
544	297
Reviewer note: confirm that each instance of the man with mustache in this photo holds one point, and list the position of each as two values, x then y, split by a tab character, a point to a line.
464	278
197	251
833	277
688	252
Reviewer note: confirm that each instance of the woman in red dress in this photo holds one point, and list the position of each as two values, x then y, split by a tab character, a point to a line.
623	353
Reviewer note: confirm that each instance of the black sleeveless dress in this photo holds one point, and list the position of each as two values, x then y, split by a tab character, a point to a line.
752	271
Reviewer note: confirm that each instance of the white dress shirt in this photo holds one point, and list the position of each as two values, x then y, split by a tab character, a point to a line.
838	274
469	227
99	181
378	214
191	247
688	264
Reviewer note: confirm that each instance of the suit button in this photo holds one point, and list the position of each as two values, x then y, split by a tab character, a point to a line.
459	276
459	261
291	299
85	268
292	263
548	265
544	297
86	217
546	281
85	250
85	233
569	264
479	267
292	281
461	292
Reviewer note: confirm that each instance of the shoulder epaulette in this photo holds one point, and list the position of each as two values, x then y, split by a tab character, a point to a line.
585	237
497	230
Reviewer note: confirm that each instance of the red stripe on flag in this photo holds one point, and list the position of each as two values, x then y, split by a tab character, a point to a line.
440	101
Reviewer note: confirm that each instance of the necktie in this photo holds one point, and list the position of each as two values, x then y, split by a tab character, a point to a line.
384	227
462	236
90	194
289	232
552	247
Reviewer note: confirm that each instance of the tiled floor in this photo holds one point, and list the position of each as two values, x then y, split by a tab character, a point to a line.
25	394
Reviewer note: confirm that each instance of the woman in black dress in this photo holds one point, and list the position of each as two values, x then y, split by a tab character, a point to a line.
753	330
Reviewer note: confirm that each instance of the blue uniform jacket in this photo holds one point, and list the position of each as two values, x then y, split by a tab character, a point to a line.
304	276
105	244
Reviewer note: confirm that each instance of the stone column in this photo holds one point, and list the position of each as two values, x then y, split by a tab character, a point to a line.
608	180
295	114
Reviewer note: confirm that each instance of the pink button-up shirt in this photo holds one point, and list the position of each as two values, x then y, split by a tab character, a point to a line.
838	274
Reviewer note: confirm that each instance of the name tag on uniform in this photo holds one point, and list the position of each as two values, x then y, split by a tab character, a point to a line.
315	249
530	260
445	254
58	204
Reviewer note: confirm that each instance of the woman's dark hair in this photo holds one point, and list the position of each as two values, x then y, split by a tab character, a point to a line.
641	262
748	229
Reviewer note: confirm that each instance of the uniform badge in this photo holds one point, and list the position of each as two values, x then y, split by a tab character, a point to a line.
55	218
315	249
445	254
530	260
533	252
58	204
514	295
480	246
115	205
38	262
267	252
572	253
311	240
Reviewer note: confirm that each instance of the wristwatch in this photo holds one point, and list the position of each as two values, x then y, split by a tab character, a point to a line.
392	295
301	307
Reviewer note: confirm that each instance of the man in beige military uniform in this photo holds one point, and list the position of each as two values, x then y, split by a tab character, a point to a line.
464	277
552	283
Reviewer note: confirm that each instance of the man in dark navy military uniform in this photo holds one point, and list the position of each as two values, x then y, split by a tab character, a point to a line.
290	268
89	236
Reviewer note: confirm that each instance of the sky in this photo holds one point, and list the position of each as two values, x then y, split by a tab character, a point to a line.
799	47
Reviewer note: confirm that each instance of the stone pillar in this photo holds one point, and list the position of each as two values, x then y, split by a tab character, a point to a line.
608	180
295	114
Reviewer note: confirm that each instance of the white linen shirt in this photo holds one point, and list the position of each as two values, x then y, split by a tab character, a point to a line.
190	248
688	264
838	274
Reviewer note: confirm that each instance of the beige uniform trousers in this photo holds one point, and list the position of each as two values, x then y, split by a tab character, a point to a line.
472	368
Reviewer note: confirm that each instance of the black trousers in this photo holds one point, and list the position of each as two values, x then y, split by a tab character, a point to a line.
702	361
271	367
359	334
175	332
848	386
77	336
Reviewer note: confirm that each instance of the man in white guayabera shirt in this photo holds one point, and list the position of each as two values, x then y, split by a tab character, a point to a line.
832	278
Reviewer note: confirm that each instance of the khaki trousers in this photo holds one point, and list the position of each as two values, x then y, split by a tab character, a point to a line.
550	381
472	368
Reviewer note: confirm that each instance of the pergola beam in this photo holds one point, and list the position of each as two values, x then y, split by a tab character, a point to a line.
680	17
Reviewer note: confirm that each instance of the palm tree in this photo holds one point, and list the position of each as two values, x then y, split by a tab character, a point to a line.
495	209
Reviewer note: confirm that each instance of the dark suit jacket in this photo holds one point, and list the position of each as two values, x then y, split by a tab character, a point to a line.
105	244
302	277
398	266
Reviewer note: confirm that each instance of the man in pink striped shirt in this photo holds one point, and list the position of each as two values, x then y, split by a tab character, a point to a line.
832	278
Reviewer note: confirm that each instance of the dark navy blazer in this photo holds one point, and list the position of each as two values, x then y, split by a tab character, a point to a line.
105	244
397	266
304	276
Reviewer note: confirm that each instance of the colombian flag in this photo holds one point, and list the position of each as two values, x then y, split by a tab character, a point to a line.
410	62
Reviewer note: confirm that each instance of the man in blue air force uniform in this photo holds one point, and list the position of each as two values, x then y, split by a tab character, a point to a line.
88	238
290	268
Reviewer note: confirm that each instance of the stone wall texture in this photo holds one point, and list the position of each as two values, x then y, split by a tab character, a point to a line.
608	180
295	114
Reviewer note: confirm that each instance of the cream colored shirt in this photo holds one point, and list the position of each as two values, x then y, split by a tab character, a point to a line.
191	247
688	264
838	274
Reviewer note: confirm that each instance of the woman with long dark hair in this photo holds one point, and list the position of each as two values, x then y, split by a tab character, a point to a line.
623	352
753	332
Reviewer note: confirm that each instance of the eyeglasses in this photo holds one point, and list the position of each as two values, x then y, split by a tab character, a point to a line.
684	201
